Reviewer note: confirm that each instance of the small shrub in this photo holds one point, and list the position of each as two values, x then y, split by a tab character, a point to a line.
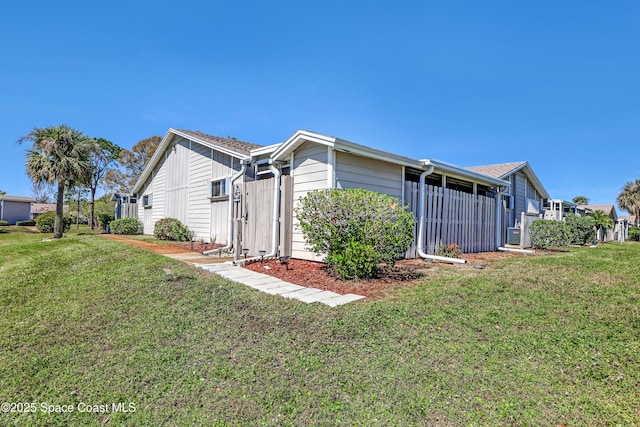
172	229
545	234
581	228
451	250
3	223
634	234
125	226
105	219
27	223
46	221
78	220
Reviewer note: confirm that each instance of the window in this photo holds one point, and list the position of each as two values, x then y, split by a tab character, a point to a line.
218	188
147	200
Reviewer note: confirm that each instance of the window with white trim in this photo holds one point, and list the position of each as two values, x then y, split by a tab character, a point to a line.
147	200
218	188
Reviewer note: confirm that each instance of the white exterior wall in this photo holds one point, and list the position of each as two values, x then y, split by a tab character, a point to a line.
375	175
309	173
179	187
13	211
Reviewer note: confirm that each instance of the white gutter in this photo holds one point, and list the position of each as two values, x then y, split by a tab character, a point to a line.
275	238
229	244
422	200
518	251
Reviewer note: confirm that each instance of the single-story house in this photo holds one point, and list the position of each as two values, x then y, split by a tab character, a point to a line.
632	220
40	208
243	195
618	232
15	208
524	200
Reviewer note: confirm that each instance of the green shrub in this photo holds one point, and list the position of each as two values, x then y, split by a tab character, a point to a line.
125	226
634	234
355	229
545	234
581	228
172	229
357	260
105	219
45	222
3	223
27	223
451	250
78	220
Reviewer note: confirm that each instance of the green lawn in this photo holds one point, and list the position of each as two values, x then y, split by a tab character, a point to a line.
543	340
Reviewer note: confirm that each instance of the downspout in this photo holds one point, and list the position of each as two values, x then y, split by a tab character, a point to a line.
229	244
275	237
499	216
422	201
2	209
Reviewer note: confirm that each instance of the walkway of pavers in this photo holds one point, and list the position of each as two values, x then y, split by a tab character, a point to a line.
261	282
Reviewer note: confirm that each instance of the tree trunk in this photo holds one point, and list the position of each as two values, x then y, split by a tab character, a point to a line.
58	224
93	203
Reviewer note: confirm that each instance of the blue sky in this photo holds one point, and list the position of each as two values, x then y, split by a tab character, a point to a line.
554	83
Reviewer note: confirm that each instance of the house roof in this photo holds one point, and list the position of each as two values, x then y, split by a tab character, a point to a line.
630	218
504	170
233	147
301	136
231	144
499	170
607	209
17	199
42	207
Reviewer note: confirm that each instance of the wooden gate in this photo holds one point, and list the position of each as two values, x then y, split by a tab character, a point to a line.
256	216
452	216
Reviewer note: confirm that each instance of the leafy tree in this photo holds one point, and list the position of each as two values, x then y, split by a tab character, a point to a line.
42	192
133	162
59	155
2	193
355	229
580	200
602	221
106	154
629	198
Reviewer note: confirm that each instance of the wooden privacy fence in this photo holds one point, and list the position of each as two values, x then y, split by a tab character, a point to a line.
256	215
452	216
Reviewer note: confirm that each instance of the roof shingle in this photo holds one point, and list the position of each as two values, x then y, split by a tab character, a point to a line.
498	170
232	144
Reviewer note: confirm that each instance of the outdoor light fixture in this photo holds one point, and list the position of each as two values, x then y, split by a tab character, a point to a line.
285	260
245	251
262	255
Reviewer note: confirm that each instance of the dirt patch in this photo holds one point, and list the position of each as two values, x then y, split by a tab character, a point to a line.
406	273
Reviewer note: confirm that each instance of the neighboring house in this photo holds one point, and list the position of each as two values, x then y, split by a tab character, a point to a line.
242	194
126	206
15	208
618	232
632	220
40	208
524	200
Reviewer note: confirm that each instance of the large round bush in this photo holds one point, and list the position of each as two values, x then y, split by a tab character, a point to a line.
172	229
356	229
125	226
45	222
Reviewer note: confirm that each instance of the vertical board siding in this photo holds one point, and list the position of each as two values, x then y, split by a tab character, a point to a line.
257	216
451	216
199	213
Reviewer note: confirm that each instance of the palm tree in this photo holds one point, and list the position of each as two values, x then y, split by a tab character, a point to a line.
580	200
629	198
59	155
602	222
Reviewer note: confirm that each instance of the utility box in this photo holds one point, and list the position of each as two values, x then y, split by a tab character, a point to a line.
513	236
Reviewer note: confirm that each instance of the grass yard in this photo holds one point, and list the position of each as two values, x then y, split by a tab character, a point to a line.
86	321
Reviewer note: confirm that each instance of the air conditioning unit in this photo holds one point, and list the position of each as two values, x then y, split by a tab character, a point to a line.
533	206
